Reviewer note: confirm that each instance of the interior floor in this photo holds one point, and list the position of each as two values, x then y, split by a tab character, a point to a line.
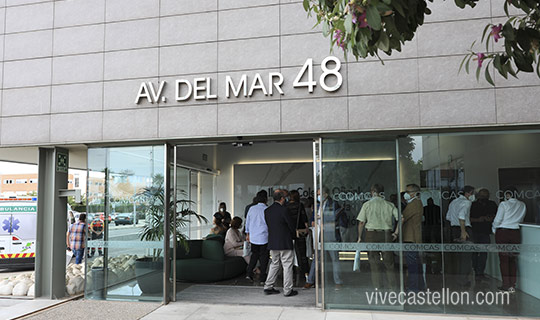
240	290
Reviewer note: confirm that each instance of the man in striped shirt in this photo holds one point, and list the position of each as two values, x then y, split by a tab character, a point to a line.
75	238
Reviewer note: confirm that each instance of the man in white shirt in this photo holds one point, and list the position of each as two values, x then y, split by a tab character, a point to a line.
257	235
375	217
510	214
459	212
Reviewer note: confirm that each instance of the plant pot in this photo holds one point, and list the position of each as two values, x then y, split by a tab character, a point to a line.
149	274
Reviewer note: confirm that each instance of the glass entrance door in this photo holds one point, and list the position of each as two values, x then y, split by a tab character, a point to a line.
127	204
193	191
358	205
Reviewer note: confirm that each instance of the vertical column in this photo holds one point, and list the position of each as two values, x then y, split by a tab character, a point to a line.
51	223
167	289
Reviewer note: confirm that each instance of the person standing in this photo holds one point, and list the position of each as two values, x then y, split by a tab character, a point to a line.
432	222
483	212
227	218
257	235
261	193
332	233
280	234
506	228
431	233
412	233
75	238
298	215
96	233
459	212
376	217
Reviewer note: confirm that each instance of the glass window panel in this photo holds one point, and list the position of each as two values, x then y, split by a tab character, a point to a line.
350	168
125	219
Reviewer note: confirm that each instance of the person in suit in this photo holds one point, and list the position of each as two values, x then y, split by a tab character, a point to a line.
412	233
281	229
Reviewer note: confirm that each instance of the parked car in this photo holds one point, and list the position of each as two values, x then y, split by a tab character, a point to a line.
124	218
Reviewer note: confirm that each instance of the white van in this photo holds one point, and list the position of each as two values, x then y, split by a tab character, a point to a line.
18	218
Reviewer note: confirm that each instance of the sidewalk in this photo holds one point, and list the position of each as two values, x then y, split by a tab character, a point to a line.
13	308
199	311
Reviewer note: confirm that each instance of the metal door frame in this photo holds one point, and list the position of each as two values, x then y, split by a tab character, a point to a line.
317	169
317	212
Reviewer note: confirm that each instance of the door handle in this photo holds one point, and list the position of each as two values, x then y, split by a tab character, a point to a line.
2	248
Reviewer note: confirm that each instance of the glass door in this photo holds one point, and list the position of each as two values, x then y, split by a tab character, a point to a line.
194	204
359	206
127	204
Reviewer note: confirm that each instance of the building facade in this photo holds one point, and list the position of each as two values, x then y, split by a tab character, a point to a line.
22	184
219	86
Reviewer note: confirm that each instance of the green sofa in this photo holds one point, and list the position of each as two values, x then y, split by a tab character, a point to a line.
206	262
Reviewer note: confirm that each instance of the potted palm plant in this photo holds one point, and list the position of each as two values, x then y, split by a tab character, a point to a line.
149	269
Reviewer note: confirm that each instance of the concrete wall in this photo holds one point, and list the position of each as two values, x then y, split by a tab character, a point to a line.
71	70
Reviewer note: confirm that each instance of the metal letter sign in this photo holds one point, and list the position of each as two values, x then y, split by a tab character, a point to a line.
62	162
330	80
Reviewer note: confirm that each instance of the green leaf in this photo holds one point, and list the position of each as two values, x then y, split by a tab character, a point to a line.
488	76
508	32
511	70
462	63
384	42
478	69
398	6
467	64
523	40
373	17
362	49
348	23
326	29
500	67
484	32
382	7
460	3
306	5
524	7
522	63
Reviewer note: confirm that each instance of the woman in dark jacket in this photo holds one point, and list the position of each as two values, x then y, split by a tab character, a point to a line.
297	212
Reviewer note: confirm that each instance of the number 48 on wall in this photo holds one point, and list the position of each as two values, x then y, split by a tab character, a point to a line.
310	83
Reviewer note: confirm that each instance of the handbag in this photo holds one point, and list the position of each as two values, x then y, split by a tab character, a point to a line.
309	244
247	249
300	233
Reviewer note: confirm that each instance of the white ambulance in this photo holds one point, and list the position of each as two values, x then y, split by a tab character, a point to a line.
18	218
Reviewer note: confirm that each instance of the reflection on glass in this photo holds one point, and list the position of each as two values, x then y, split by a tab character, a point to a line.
125	197
480	197
350	171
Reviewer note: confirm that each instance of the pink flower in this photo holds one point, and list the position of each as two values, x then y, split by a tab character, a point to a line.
363	20
496	32
339	39
480	57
